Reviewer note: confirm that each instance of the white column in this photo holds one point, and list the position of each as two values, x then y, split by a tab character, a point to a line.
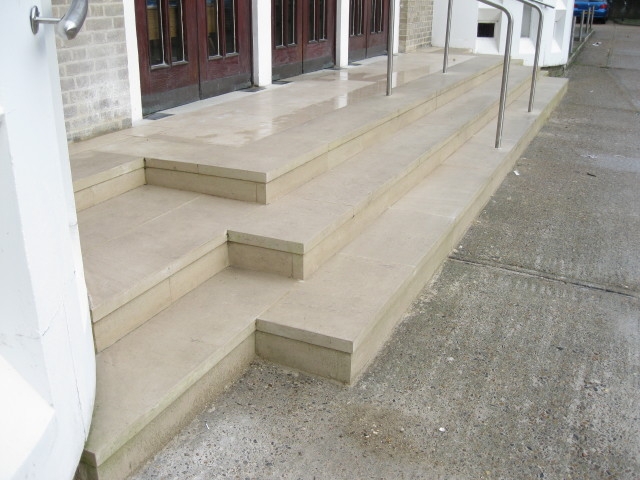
342	33
47	363
132	60
262	51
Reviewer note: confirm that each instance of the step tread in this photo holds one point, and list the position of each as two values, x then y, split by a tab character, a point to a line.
278	141
135	240
341	303
145	371
93	167
300	220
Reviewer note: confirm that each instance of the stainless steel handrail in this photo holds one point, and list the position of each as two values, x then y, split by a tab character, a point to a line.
390	39
505	64
542	3
536	56
447	37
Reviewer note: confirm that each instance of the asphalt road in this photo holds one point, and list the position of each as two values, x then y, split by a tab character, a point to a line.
521	360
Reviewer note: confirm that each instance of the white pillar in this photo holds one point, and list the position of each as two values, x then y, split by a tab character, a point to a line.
262	51
47	363
342	33
135	93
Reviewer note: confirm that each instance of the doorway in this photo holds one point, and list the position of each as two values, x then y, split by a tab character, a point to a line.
192	49
368	24
303	36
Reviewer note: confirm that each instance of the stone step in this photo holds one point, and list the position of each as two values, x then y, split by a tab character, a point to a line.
152	382
265	169
286	141
334	323
148	247
134	269
99	176
304	228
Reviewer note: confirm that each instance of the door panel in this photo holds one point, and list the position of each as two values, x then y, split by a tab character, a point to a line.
192	49
225	46
168	54
303	36
319	35
368	27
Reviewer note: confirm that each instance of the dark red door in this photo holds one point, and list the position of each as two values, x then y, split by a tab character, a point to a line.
303	36
225	49
192	49
368	27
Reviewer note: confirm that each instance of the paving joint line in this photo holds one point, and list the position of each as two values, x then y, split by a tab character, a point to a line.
625	292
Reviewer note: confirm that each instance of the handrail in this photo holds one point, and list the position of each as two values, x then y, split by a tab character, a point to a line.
505	64
68	26
447	37
536	57
542	3
390	39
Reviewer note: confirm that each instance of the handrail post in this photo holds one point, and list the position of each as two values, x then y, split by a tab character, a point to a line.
447	37
593	14
581	25
505	68
536	57
390	39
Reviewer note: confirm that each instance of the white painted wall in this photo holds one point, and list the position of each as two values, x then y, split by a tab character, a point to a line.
467	14
47	364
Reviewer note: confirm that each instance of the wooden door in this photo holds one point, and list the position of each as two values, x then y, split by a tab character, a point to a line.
192	49
303	36
368	27
224	46
319	35
168	53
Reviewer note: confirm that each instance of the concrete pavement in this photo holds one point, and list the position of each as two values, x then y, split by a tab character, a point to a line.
522	360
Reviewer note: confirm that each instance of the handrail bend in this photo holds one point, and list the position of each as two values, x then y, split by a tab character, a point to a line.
505	64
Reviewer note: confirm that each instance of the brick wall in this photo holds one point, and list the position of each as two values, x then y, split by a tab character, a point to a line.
416	17
93	72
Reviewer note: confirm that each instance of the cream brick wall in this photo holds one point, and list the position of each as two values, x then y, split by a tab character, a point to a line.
416	17
93	72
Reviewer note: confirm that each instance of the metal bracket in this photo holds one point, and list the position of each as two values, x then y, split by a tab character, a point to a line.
68	26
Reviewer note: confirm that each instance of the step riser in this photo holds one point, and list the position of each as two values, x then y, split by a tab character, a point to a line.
208	184
100	192
302	266
110	327
169	423
337	153
344	366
